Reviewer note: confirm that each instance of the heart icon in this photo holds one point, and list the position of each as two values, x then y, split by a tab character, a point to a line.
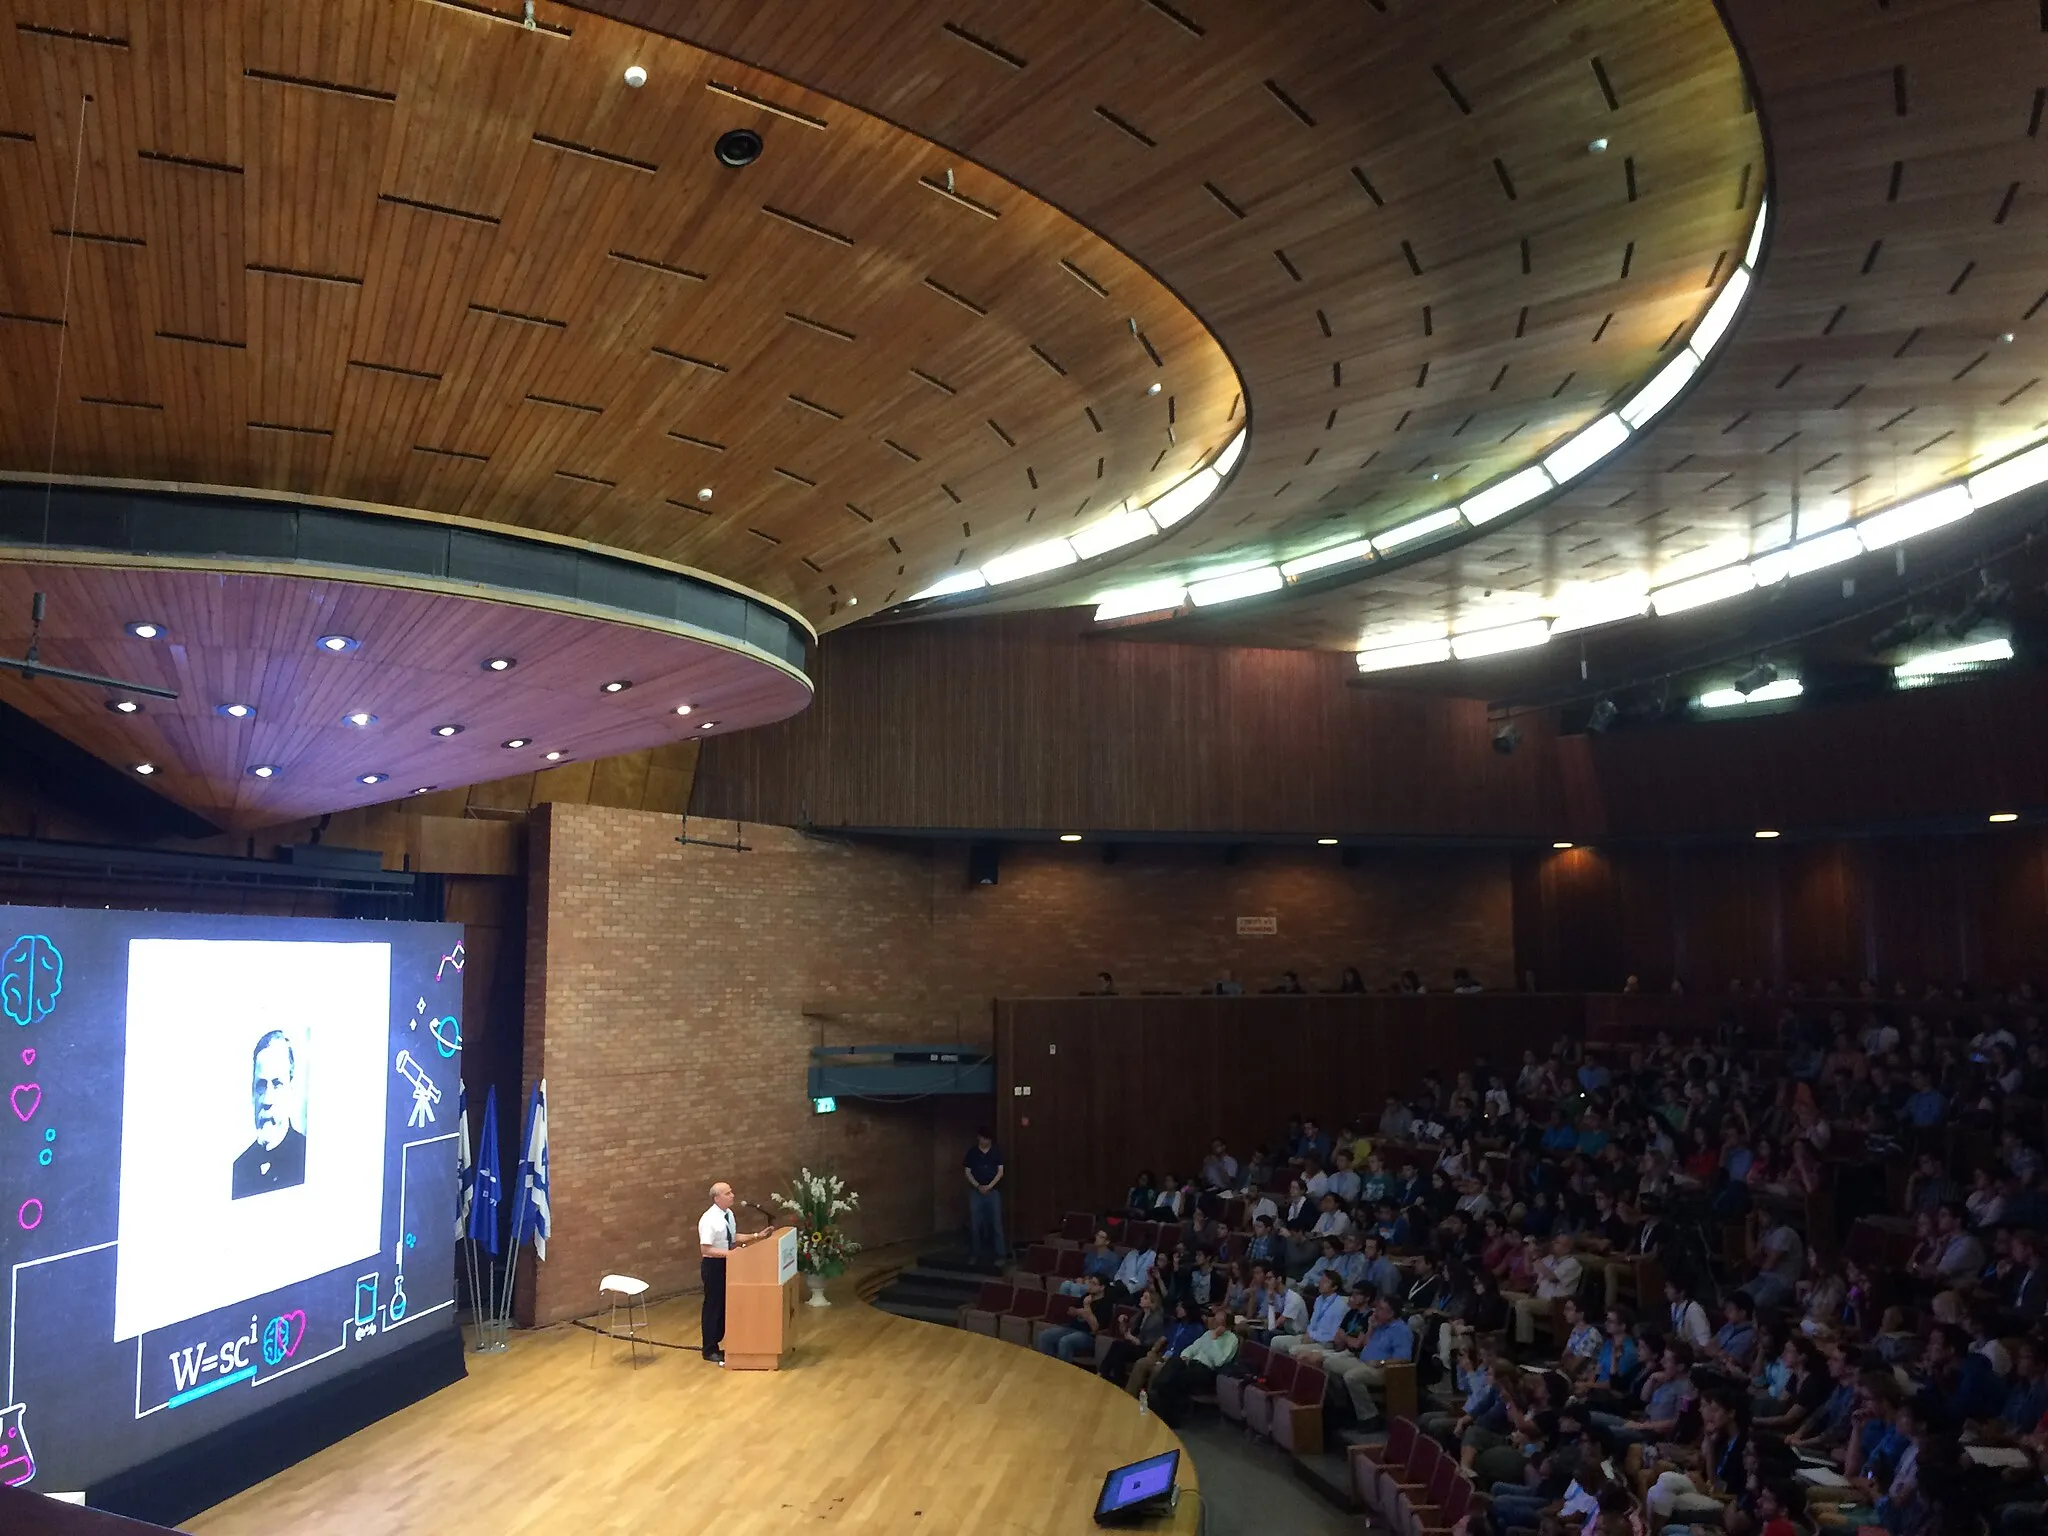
296	1323
26	1098
28	1057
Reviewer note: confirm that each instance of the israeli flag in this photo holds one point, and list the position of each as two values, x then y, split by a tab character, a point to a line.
465	1168
530	1211
483	1211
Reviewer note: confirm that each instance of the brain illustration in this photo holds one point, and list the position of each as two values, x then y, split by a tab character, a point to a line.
31	976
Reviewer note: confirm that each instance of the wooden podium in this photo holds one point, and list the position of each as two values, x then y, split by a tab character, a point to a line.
761	1302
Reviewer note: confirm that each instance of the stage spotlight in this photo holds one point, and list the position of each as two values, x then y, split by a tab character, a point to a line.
1762	675
738	147
1506	738
1602	716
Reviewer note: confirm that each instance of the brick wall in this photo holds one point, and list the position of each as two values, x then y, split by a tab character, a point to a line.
674	993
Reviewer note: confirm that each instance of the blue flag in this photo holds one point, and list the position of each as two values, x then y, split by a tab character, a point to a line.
483	1208
530	1214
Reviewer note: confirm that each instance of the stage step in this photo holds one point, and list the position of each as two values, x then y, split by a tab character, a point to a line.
1329	1473
943	1316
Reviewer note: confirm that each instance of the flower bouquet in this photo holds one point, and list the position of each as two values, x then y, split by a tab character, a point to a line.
817	1200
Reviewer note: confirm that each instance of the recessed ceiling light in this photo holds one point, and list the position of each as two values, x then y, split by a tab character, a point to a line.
447	730
145	769
1767	834
145	629
2006	337
556	757
124	706
617	685
519	741
635	76
708	725
236	711
704	493
1326	842
2002	816
426	789
501	664
1562	844
263	771
1596	147
853	602
683	709
1070	837
338	643
372	778
361	719
1152	388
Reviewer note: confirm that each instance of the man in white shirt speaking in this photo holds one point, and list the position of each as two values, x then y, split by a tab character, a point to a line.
716	1237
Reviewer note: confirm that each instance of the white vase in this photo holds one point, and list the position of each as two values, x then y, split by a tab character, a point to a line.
817	1285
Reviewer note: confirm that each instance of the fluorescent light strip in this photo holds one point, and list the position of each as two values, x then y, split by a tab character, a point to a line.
1031	560
1756	234
1651	399
1729	581
1585	450
1721	313
1728	698
1225	461
946	586
1507	637
1153	597
2021	472
1910	518
1229	589
1184	498
1323	559
1593	606
1808	555
1415	654
1112	532
1957	658
1421	528
1519	489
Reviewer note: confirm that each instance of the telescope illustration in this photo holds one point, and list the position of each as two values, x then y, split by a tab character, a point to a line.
424	1094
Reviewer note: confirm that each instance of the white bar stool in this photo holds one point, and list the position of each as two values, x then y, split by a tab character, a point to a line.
627	1298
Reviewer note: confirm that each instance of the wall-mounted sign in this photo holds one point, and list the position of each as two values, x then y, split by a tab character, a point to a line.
1267	926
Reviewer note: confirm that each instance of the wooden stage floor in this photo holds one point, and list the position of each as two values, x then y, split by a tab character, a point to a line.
879	1424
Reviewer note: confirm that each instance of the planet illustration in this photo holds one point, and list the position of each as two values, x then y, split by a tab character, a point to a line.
447	1034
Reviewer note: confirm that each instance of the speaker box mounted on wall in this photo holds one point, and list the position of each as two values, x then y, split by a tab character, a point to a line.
984	864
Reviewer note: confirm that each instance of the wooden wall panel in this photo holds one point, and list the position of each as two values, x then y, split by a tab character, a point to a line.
1963	906
1024	721
1119	1084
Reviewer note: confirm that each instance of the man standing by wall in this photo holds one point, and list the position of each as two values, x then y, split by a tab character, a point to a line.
983	1166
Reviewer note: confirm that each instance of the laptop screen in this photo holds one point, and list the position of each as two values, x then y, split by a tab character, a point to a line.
1139	1481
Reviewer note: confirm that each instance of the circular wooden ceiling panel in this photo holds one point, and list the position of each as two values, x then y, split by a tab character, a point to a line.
412	253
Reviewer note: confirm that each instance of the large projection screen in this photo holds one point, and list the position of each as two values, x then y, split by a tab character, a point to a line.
227	1170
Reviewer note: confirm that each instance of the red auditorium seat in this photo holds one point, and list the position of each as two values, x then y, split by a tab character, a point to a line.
1040	1260
1019	1325
1068	1265
1171	1236
1233	1213
1298	1417
1104	1340
1260	1396
1142	1235
1393	1484
980	1314
1251	1364
1078	1227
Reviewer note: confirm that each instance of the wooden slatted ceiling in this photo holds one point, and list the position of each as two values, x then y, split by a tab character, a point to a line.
407	253
250	639
1361	257
1869	365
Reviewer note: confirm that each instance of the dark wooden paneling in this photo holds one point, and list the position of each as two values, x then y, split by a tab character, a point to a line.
1023	721
1119	1084
1966	906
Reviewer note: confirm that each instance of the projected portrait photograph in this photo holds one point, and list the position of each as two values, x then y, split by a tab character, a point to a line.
276	1159
253	1133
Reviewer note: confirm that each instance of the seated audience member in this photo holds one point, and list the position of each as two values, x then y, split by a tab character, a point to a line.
1289	985
1349	980
1136	1333
1191	1372
1688	1317
1958	1256
1279	1311
1325	1264
1557	1275
1804	1393
1219	1168
1138	1269
1363	1354
1582	1338
1326	1311
1733	1347
1183	1326
1098	1258
1138	1203
1664	1393
1105	986
1462	982
1332	1222
1345	1182
1092	1316
1206	1282
1265	1245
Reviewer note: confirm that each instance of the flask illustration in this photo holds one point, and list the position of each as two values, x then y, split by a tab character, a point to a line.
17	1461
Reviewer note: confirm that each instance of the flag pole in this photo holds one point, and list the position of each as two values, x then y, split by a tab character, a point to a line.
476	1301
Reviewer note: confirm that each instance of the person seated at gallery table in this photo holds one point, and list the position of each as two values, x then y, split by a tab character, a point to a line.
1183	1327
1098	1258
1094	1314
1191	1372
1136	1333
1139	1268
1289	985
